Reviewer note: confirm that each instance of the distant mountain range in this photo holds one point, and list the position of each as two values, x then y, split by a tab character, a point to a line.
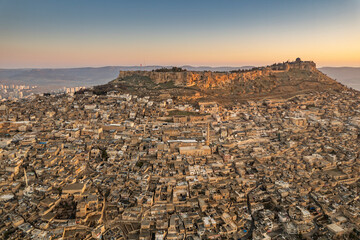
88	76
349	76
69	77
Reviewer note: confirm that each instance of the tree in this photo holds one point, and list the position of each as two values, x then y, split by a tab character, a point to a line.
139	164
104	155
59	190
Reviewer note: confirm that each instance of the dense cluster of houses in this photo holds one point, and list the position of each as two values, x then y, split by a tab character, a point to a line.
123	167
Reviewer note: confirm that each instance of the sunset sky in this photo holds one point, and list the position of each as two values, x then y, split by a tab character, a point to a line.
78	33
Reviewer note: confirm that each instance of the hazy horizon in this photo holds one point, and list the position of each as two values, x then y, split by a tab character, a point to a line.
164	65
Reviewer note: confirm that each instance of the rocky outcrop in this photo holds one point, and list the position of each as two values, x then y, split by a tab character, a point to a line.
281	80
207	79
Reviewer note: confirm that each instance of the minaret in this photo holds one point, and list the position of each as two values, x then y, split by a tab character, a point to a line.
208	135
26	180
145	127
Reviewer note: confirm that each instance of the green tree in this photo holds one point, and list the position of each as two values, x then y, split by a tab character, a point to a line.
104	155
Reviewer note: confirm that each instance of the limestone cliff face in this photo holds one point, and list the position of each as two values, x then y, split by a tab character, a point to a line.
209	80
276	81
201	79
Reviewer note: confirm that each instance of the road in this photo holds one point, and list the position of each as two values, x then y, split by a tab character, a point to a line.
249	235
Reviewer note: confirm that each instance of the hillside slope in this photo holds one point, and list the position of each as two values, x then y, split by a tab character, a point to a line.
276	81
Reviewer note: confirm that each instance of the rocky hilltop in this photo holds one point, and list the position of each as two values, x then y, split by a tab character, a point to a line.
208	79
280	80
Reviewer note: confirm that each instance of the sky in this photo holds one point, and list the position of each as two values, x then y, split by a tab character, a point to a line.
79	33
